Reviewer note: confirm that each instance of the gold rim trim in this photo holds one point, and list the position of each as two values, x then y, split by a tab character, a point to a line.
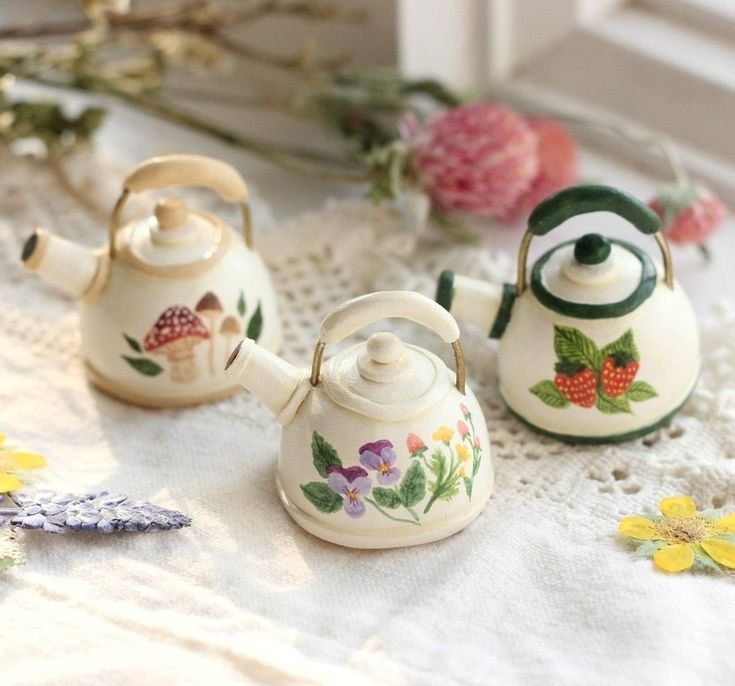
316	364
131	397
522	268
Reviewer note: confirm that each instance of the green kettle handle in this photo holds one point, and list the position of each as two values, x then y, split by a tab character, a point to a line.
571	202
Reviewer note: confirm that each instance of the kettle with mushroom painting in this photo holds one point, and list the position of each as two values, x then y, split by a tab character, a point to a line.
165	301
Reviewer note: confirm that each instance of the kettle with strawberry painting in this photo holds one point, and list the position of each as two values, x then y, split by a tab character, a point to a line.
600	344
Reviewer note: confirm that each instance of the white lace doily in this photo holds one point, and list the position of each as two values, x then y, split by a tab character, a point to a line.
538	589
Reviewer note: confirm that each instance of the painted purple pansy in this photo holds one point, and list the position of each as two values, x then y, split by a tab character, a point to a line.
381	457
351	483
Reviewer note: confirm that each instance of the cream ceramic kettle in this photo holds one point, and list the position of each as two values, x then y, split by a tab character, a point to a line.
602	345
164	302
383	445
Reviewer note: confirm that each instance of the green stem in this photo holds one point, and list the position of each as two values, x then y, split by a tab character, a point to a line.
408	509
384	513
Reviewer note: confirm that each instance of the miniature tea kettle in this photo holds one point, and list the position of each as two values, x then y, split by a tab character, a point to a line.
383	446
602	346
165	301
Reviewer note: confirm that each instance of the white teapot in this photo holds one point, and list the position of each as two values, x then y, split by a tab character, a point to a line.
603	345
383	446
164	302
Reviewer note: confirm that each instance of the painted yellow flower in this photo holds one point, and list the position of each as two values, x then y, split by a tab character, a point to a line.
683	537
463	452
460	472
443	433
13	460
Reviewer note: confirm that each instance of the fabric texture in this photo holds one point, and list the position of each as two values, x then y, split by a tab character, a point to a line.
539	589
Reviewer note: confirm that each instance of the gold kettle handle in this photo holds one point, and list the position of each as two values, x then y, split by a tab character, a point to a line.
570	202
354	314
185	170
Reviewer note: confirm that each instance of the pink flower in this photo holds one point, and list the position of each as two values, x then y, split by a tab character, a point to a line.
414	444
557	156
690	214
464	409
477	158
477	441
462	428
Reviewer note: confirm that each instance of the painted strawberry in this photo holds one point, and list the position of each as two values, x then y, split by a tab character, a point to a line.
576	382
617	373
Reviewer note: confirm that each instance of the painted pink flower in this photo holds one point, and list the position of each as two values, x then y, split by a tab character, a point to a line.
477	441
557	157
478	158
462	428
415	444
690	214
464	409
381	457
351	483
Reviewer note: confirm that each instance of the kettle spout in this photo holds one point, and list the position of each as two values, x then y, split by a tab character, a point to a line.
75	269
278	384
481	303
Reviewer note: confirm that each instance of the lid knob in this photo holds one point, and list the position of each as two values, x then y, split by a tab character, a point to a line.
592	248
170	213
385	348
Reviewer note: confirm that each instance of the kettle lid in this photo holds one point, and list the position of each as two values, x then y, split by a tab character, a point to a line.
594	277
174	240
386	379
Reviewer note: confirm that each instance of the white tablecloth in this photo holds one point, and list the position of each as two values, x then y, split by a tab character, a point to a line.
537	590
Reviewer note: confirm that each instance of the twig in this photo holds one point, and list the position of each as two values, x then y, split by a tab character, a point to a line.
62	176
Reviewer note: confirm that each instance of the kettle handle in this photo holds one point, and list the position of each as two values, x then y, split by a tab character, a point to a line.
185	170
366	309
570	202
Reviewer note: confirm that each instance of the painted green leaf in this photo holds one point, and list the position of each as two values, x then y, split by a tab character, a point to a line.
143	365
572	345
438	464
610	405
386	497
468	486
322	497
624	344
255	325
639	391
133	343
413	485
323	454
550	394
241	304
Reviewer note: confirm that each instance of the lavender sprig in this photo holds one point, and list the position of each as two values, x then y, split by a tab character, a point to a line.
104	512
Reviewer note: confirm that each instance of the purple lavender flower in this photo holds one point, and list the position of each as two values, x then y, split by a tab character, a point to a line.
381	457
56	513
350	483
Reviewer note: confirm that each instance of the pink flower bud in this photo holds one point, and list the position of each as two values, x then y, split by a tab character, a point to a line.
462	428
690	214
414	444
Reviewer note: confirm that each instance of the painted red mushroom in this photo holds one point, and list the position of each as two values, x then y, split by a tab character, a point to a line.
174	335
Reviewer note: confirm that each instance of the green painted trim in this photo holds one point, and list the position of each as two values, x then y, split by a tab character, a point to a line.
599	440
645	288
504	311
570	202
445	289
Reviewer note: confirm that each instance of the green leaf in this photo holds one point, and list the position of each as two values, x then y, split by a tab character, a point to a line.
613	405
572	345
386	497
255	325
438	464
413	485
324	454
549	393
133	343
704	561
322	497
241	304
468	486
625	344
648	548
143	365
639	391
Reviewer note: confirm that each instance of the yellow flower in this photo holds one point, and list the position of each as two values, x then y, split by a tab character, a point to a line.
12	460
443	433
463	452
682	536
460	472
